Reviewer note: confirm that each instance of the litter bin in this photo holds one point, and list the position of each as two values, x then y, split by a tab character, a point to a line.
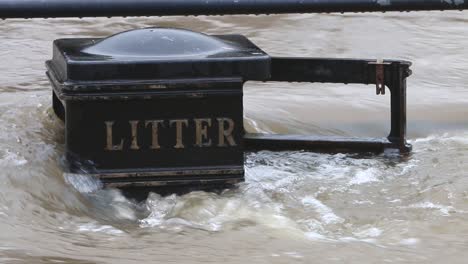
155	106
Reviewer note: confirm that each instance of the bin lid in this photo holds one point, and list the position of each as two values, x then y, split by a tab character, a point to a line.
157	54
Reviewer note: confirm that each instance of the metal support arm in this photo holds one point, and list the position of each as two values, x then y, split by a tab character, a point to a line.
391	73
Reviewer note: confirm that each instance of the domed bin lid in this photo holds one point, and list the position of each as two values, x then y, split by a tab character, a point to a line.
157	54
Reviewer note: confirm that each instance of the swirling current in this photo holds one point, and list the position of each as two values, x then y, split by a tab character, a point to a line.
295	207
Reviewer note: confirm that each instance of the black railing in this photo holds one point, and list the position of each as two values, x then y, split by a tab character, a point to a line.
109	8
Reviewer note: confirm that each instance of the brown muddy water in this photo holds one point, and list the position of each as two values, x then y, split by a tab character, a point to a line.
295	207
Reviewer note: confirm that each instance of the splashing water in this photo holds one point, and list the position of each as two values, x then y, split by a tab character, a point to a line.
294	206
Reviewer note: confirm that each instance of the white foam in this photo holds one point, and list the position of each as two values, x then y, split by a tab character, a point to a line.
82	182
463	139
330	170
364	176
122	211
445	137
12	159
326	213
315	236
293	254
443	209
217	213
363	202
426	139
92	227
409	241
353	239
369	232
408	167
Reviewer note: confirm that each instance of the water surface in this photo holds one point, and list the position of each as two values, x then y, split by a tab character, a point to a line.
295	207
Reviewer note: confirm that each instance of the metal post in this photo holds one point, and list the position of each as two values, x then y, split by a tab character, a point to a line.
397	88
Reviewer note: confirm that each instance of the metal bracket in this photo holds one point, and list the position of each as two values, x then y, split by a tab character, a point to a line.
388	73
379	76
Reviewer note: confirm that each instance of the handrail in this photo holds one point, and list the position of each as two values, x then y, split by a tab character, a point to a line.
109	8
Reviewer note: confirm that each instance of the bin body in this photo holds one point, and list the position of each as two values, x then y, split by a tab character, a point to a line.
156	106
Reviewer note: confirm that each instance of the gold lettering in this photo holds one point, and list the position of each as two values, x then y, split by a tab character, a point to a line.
109	140
134	126
201	132
154	132
225	133
179	125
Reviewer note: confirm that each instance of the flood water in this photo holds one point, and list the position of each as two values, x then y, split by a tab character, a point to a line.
295	207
